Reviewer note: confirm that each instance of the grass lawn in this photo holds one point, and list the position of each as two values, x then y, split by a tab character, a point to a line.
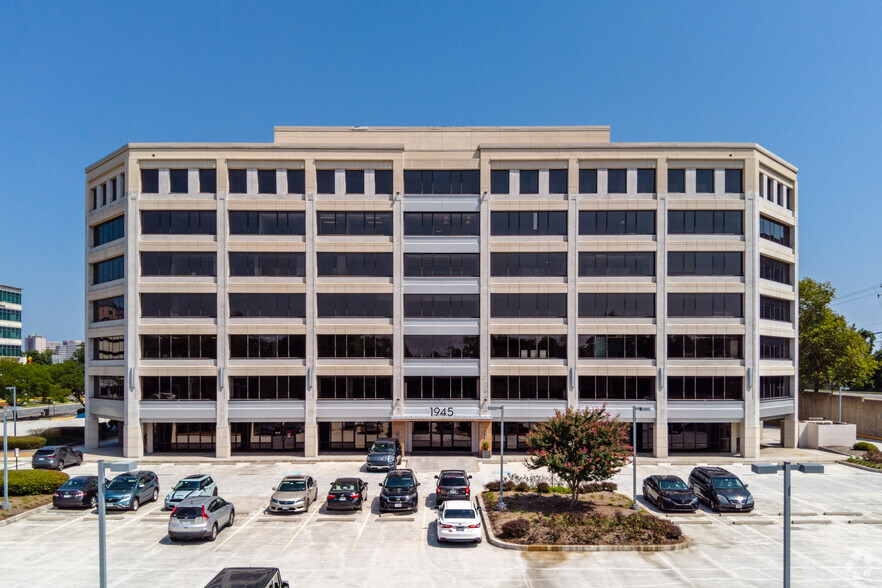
22	504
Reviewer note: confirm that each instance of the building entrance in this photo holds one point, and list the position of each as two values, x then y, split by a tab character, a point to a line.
441	436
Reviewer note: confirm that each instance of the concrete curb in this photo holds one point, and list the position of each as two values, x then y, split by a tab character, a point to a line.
858	466
24	515
491	538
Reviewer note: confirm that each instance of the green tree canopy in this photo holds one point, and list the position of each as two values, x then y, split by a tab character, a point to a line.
831	352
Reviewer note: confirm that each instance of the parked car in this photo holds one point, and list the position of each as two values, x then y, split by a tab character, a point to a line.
669	493
79	491
720	489
384	454
399	491
191	486
294	494
131	490
248	578
347	494
458	520
452	485
56	457
200	518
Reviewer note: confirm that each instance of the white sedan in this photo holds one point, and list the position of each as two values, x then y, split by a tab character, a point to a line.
459	521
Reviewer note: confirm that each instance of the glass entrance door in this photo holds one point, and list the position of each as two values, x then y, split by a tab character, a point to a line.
441	436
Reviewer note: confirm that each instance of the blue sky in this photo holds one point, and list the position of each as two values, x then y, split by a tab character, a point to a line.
78	80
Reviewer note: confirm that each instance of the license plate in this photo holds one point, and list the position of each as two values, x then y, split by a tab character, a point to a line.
284	508
397	505
737	506
460	528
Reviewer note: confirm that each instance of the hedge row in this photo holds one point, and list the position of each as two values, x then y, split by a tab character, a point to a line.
25	442
32	482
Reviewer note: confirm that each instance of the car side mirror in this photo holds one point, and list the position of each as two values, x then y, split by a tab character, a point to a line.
380	484
745	486
470	476
436	477
285	585
418	483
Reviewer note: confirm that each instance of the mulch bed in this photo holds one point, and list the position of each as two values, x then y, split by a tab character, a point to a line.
599	518
22	504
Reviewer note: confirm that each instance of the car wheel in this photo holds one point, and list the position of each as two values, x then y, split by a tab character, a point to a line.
155	494
93	502
232	518
59	465
214	493
135	504
79	460
213	535
479	540
172	537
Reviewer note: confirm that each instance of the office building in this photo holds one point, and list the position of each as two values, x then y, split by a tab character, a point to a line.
10	321
307	295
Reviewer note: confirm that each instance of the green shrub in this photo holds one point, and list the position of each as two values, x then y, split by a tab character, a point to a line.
560	490
26	442
516	529
63	435
598	487
32	482
507	485
874	457
543	488
520	487
864	446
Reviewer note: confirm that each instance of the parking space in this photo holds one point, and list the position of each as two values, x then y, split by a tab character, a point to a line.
836	528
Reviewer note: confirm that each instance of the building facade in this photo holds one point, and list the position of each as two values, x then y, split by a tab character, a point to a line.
10	321
36	343
339	284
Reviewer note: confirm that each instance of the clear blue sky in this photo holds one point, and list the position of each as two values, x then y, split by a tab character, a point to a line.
80	79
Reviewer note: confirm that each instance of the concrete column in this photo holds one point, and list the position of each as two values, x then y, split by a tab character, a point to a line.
484	381
399	431
573	297
310	441
752	429
133	445
660	439
222	447
92	426
310	437
790	432
631	181
149	435
660	427
750	441
193	181
164	181
398	306
735	438
484	433
250	181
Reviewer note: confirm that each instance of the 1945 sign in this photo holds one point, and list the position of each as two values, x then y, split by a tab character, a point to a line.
441	411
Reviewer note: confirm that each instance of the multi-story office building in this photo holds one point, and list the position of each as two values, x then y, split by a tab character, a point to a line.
10	321
64	351
36	343
339	284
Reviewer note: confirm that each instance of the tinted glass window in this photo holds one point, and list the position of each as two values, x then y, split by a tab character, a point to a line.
178	263
441	264
528	346
733	181
705	388
537	263
442	181
267	263
704	181
616	305
775	231
774	309
616	181
354	305
325	181
677	181
441	305
706	222
108	309
268	388
105	271
528	387
617	222
645	181
529	181
268	304
207	181
354	264
587	181
108	231
499	179
150	181
238	181
354	387
441	223
705	263
296	181
528	305
178	181
356	346
441	346
178	304
705	304
266	181
178	346
617	387
266	222
557	181
617	346
623	263
383	181
354	181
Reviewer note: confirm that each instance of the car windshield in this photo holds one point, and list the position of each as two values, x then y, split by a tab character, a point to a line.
453	481
292	486
383	448
673	485
126	483
728	484
45	452
187	485
187	512
75	483
399	482
344	487
459	513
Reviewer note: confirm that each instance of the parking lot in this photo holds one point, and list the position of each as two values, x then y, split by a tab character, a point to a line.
321	548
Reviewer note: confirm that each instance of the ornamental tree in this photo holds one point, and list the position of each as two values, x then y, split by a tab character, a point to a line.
579	446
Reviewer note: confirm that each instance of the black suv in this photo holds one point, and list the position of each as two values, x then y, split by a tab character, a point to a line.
384	454
452	485
399	491
720	489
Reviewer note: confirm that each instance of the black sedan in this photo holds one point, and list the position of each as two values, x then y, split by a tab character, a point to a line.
78	492
669	493
347	494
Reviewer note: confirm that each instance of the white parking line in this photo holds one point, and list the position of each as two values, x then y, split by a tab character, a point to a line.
305	522
115	529
360	531
82	518
254	516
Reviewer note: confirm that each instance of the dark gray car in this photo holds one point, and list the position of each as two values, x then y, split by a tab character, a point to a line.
56	457
200	518
720	489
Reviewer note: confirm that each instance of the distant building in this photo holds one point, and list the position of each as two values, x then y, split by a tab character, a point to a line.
64	351
36	343
10	321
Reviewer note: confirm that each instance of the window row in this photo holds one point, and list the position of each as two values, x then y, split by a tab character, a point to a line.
442	265
442	346
775	347
539	305
528	346
267	222
528	181
107	348
528	387
776	232
179	346
179	181
267	263
777	271
108	270
442	306
446	224
705	263
529	264
354	387
268	304
624	263
179	263
107	192
354	223
615	304
775	387
179	222
178	388
528	223
354	264
11	297
617	346
267	346
774	309
617	222
10	333
107	309
617	387
705	388
706	346
108	387
178	304
442	181
689	304
267	388
453	387
8	314
108	231
776	192
354	346
354	305
705	222
10	350
617	181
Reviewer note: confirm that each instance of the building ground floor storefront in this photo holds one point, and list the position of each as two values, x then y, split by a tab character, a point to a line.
417	436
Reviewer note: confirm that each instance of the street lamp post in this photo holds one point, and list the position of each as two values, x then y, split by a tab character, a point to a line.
501	408
119	466
787	467
5	505
14	405
635	408
841	388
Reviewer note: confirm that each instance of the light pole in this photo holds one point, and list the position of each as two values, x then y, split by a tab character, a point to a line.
787	467
634	409
501	409
841	388
118	466
14	405
5	505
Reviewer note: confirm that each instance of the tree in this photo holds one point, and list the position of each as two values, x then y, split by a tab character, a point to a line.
579	446
69	377
40	357
831	353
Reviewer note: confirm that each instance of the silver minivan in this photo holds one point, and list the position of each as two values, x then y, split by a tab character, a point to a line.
200	518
